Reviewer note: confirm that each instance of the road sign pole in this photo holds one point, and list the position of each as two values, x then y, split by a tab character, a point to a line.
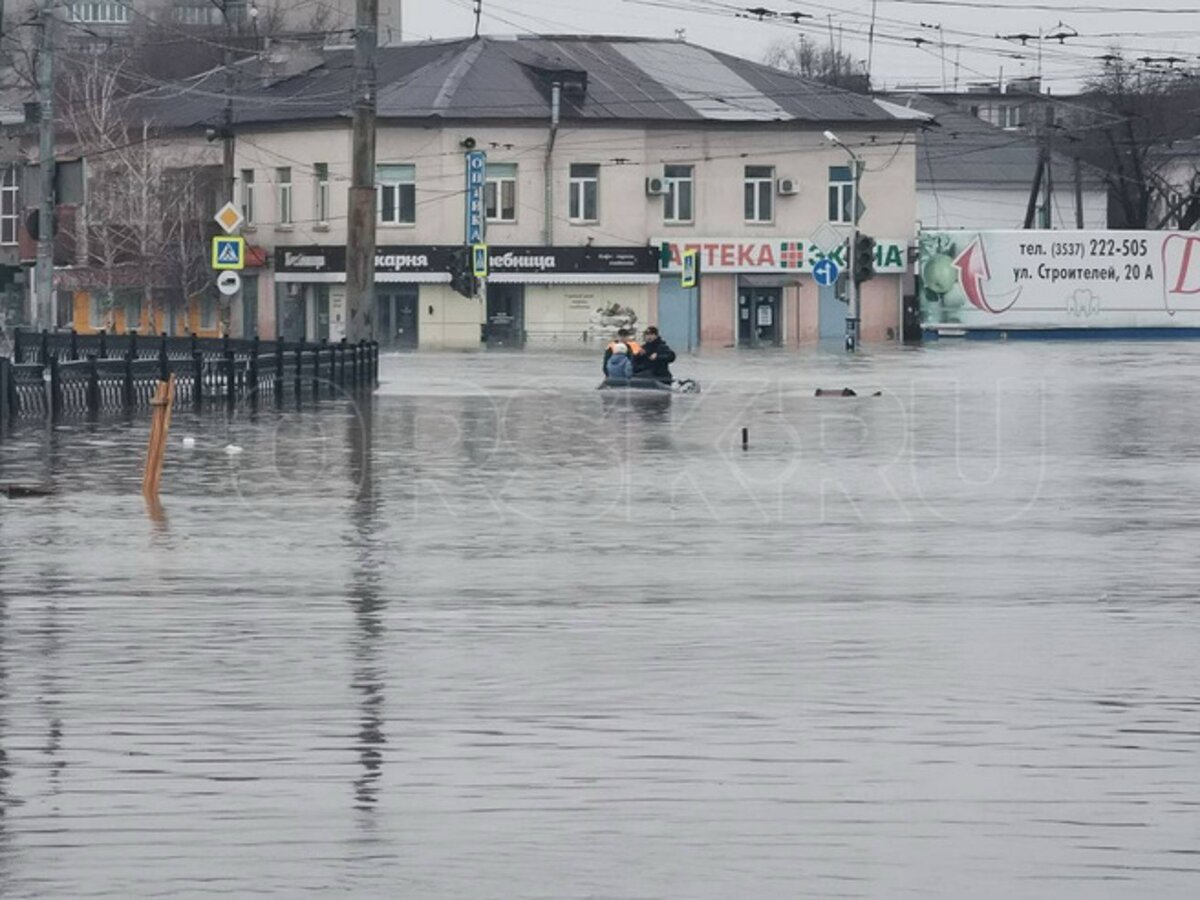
853	309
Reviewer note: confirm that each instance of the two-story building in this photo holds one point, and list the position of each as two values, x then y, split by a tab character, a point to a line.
606	158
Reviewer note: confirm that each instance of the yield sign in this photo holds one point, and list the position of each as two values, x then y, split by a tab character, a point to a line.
229	217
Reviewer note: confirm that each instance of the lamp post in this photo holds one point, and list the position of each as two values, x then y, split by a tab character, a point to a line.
851	284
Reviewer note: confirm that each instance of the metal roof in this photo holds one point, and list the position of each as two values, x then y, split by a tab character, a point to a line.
959	148
627	79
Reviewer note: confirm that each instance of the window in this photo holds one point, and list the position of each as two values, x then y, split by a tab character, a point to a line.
500	192
283	198
397	186
677	204
10	215
103	12
1010	117
585	191
207	14
841	195
248	196
759	193
98	309
321	193
132	301
208	311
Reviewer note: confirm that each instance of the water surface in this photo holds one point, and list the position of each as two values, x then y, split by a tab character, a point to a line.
494	633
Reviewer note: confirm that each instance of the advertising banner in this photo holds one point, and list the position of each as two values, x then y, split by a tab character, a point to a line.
775	255
1059	279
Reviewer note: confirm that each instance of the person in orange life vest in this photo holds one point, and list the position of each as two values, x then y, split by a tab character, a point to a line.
624	336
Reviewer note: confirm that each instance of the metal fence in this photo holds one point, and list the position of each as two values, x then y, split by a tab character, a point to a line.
63	373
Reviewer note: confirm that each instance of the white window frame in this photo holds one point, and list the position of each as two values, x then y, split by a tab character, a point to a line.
497	188
577	210
672	199
321	193
10	208
758	189
841	196
284	210
397	188
247	198
99	12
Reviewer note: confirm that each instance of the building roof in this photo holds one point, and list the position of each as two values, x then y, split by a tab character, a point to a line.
604	78
959	148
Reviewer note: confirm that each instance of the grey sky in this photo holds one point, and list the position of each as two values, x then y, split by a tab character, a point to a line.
1155	28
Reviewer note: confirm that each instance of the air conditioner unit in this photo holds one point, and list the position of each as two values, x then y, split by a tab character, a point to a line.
787	187
656	187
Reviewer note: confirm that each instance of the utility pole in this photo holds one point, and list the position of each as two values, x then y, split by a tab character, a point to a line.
871	46
227	116
360	233
45	315
1078	194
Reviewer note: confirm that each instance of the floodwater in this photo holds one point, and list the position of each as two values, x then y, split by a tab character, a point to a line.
496	634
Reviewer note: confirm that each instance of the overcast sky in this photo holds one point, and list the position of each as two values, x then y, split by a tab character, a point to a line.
1154	28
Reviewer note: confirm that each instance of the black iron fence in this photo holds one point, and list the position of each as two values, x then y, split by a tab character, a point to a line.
63	373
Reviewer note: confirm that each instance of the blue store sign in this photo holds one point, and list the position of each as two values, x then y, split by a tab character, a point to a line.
476	177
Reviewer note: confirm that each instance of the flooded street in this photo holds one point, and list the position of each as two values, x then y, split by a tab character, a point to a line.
496	634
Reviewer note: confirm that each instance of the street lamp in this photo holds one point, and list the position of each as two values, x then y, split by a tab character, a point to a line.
851	284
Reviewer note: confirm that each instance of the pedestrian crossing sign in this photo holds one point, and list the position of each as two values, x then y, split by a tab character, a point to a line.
228	253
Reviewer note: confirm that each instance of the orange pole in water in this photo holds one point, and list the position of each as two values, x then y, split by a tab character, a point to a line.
160	427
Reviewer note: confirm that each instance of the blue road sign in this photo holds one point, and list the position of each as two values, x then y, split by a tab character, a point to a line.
825	272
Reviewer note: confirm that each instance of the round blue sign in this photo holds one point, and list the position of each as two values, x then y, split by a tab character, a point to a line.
825	272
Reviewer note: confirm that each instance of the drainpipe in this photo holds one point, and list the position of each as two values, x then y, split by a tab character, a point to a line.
548	166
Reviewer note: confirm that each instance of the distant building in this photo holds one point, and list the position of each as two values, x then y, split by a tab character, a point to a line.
974	175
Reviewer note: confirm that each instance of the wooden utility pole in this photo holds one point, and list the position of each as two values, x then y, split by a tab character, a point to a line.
44	314
360	232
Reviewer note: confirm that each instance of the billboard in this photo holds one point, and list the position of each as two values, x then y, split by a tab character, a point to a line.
1059	279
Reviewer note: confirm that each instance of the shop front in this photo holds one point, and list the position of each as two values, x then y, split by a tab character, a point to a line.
555	295
532	295
761	293
414	305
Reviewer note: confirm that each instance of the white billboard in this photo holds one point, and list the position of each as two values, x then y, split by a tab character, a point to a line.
1059	279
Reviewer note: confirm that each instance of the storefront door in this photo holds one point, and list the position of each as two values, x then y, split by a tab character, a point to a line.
398	319
760	317
249	305
505	325
291	313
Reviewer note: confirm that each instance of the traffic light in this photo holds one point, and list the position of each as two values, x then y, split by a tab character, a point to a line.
864	258
461	277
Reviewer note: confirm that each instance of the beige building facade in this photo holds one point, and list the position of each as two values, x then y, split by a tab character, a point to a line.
599	158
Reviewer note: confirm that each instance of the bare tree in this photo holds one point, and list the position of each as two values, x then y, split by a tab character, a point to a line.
139	231
1140	115
822	63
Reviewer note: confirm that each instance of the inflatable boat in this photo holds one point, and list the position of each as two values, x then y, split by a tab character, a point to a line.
678	386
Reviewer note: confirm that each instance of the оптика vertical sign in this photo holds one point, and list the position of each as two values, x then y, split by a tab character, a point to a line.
476	178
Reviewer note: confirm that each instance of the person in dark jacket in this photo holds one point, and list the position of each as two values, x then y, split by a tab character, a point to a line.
655	358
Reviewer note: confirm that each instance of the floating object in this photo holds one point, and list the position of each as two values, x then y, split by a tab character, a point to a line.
680	386
232	450
17	491
189	443
745	438
844	392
